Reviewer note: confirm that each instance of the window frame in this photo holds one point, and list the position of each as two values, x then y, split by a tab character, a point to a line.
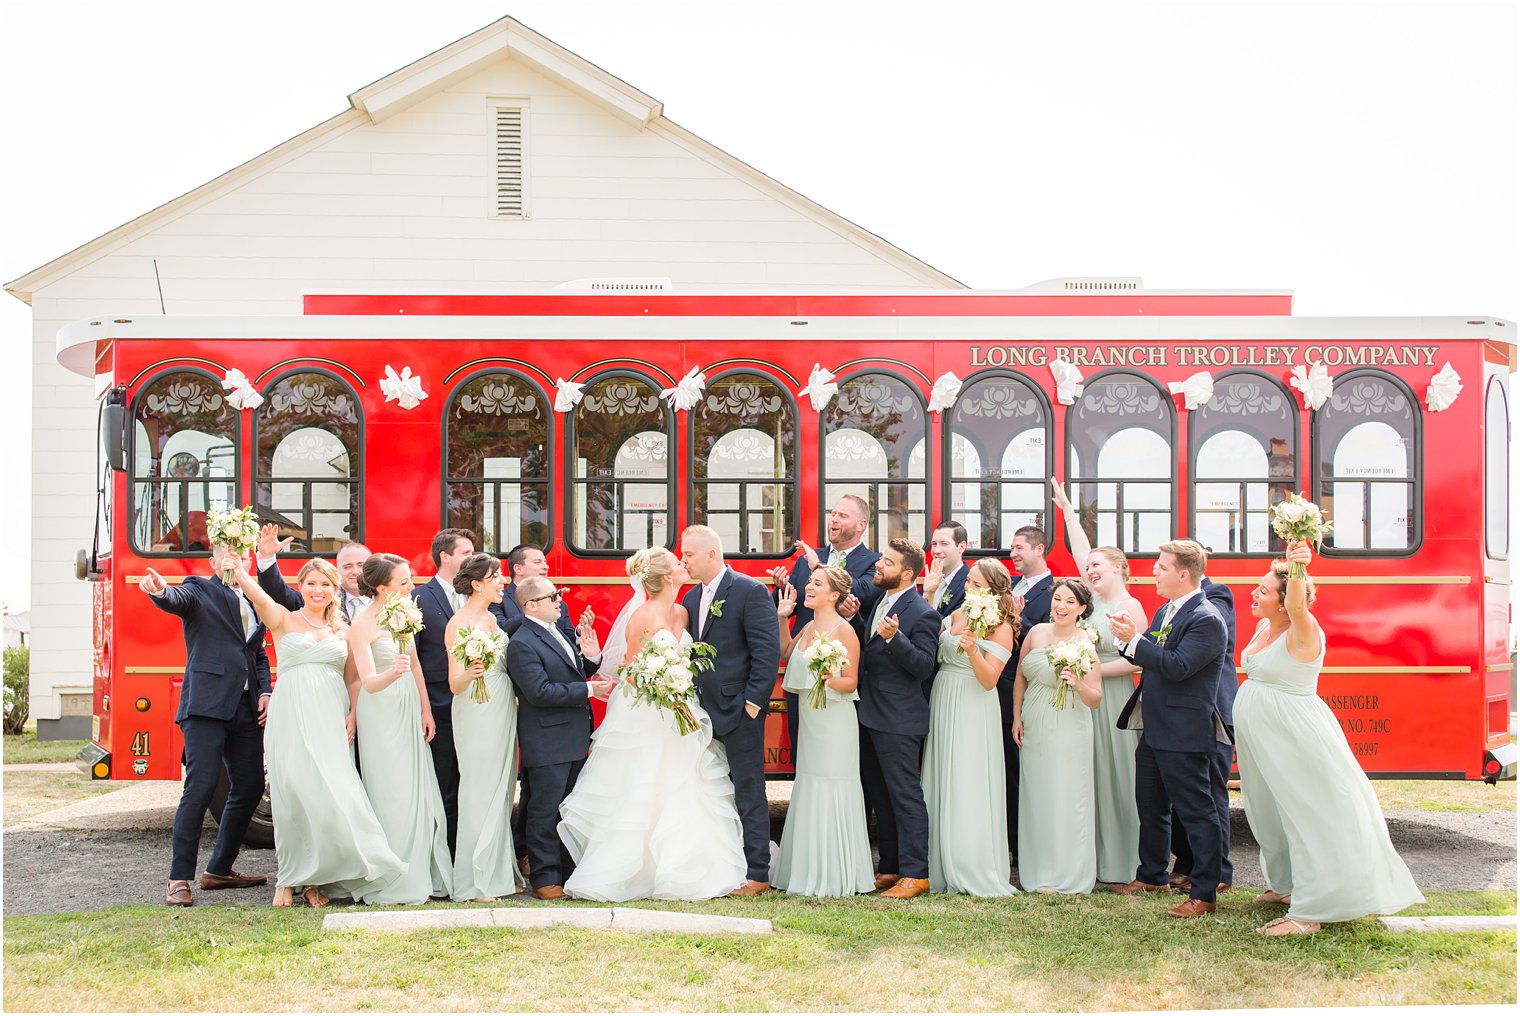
1195	444
947	447
572	443
359	477
1416	481
928	479
443	454
133	479
1494	387
794	485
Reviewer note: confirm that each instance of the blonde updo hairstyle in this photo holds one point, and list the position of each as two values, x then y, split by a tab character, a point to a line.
1115	557
1000	584
1280	570
649	567
837	579
332	616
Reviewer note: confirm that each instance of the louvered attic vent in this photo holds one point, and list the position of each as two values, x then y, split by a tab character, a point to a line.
510	196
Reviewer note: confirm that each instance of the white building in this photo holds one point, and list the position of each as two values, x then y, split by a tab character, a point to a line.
500	161
18	629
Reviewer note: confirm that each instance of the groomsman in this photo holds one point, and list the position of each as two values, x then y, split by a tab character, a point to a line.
1031	594
945	582
847	526
1173	708
900	655
222	706
350	562
553	726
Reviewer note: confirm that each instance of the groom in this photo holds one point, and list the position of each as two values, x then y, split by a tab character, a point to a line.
735	615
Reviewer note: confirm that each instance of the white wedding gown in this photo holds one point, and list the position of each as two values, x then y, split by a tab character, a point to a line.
652	815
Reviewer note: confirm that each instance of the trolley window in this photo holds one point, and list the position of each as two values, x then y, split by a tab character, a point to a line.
999	453
185	437
744	463
1244	454
621	474
308	440
1496	471
1120	462
496	461
875	440
1366	449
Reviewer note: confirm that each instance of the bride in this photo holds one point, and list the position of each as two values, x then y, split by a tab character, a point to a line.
652	815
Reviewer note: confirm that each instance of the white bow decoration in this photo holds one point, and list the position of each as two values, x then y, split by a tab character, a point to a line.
404	389
239	392
687	391
567	395
1444	389
1068	382
947	388
1195	391
820	387
1315	383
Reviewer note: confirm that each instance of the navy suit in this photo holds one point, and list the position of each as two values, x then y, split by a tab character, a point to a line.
1174	761
510	616
225	673
748	644
554	735
955	591
894	720
437	610
1224	754
1036	611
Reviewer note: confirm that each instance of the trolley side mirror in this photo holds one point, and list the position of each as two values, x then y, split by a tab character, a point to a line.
113	429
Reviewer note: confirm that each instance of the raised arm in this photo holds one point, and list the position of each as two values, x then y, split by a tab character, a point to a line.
271	613
786	604
176	600
1081	546
1303	632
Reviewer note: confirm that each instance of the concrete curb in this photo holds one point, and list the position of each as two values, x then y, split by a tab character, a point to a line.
1466	923
531	916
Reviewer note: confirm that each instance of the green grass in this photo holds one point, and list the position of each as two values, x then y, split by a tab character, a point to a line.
934	953
25	747
1445	795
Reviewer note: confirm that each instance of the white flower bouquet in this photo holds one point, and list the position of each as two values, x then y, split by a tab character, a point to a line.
981	612
825	658
402	618
1297	518
664	674
471	646
237	529
1077	655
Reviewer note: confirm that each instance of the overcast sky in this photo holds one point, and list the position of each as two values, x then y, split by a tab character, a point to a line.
1363	155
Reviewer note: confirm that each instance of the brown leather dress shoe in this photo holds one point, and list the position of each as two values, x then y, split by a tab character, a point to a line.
751	888
231	880
1224	887
178	893
1137	887
906	889
1192	908
550	892
886	881
1180	883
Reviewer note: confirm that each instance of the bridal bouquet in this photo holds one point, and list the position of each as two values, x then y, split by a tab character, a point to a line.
472	646
1296	518
237	529
664	675
1078	654
826	658
402	618
982	613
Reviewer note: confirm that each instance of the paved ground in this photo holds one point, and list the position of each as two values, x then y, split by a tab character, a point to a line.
115	849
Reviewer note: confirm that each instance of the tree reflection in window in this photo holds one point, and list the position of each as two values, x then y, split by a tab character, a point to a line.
306	478
496	461
743	448
620	481
1245	445
874	431
184	461
1366	438
1119	462
999	441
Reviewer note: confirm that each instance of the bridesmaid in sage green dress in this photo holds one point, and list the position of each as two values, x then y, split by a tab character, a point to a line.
1325	849
396	724
963	756
485	739
1057	846
825	849
326	836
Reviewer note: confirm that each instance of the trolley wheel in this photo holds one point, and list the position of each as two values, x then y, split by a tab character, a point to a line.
260	827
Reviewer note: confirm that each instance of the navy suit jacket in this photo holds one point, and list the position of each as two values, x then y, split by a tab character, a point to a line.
510	616
892	674
221	666
273	583
1179	679
553	699
437	612
955	590
1229	684
860	563
1036	611
748	642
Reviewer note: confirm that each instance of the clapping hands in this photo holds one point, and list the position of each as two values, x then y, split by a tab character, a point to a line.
1123	626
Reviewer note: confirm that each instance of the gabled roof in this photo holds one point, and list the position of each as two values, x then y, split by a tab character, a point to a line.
506	38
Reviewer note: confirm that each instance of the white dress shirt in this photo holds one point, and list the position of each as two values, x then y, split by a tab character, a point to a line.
1026	582
1172	608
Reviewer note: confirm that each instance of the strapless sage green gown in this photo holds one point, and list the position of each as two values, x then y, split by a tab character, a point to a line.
485	739
1310	806
1117	818
402	787
325	831
1057	837
964	778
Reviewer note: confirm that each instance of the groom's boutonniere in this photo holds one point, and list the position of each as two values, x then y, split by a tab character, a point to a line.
1160	636
715	609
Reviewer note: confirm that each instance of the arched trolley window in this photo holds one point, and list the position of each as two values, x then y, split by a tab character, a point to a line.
743	470
621	476
185	437
308	452
496	440
1243	446
999	450
1366	459
1120	463
874	434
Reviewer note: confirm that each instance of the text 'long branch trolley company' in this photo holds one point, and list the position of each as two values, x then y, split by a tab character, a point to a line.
544	423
